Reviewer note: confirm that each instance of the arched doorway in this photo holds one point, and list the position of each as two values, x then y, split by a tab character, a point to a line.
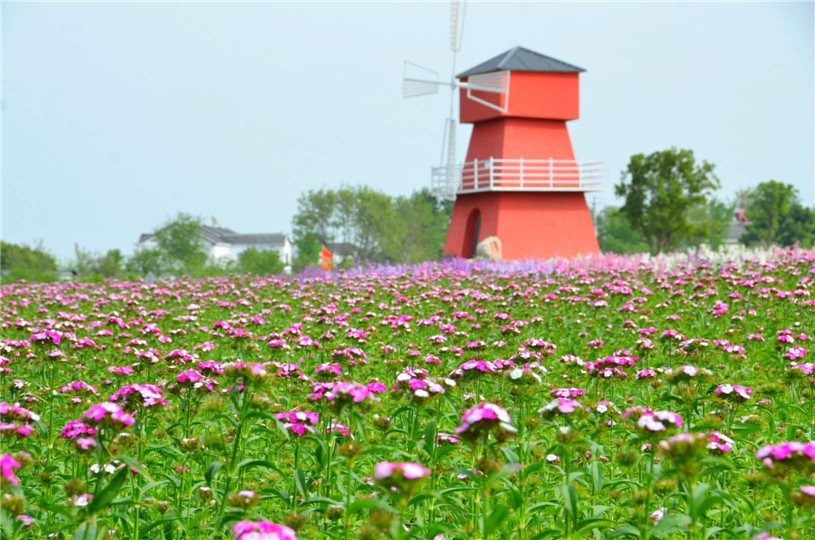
471	233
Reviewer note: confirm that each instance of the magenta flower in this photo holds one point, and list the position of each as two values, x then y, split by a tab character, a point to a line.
473	367
110	413
86	443
298	422
410	471
193	379
787	453
719	442
742	393
567	392
654	421
147	395
76	428
560	406
345	393
483	418
262	530
78	386
15	412
7	467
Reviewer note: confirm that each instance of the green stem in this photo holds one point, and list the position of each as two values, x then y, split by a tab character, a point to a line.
235	449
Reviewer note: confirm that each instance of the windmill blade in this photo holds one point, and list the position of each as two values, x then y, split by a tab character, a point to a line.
456	24
418	80
496	82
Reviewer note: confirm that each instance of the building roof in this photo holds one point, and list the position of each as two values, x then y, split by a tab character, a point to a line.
521	59
222	235
255	239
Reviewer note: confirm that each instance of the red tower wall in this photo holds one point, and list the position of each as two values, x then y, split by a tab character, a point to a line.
555	96
513	138
530	225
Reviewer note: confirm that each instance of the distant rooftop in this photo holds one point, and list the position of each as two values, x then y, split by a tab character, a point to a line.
521	59
222	235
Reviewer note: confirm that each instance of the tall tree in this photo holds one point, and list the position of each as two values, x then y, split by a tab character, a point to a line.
308	251
768	203
260	261
24	262
797	226
616	235
659	189
710	222
180	244
418	229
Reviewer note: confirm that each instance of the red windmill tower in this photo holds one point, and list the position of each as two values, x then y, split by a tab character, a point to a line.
520	181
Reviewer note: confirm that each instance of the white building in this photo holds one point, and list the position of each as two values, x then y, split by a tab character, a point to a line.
226	245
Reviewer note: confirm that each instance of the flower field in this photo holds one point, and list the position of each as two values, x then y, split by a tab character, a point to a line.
608	398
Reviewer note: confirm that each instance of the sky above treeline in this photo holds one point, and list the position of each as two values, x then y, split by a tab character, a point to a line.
117	115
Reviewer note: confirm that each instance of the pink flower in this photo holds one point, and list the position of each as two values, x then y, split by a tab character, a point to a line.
559	406
76	428
76	386
787	452
86	443
400	477
111	412
482	418
262	530
7	467
743	393
567	392
147	395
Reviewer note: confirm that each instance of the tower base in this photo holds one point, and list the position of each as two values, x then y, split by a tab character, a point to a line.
530	225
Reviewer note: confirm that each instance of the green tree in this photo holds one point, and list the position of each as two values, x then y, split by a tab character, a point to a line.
180	244
358	216
308	251
146	261
767	204
616	235
318	212
417	229
710	223
260	262
24	262
797	226
659	190
108	265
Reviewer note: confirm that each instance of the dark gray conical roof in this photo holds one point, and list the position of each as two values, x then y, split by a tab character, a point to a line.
521	59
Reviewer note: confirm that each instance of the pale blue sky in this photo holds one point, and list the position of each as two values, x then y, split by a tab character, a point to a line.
116	115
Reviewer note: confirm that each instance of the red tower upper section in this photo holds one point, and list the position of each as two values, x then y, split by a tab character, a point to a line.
536	86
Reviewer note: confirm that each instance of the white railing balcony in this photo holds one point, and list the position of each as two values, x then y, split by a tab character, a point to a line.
519	175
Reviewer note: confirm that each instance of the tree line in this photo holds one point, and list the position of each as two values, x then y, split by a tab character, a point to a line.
668	199
669	204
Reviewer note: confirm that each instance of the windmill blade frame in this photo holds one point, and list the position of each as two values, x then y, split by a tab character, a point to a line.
496	82
419	80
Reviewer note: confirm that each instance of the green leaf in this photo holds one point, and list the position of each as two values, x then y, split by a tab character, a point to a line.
211	471
496	517
109	492
6	525
86	531
300	483
140	469
597	476
569	500
249	463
